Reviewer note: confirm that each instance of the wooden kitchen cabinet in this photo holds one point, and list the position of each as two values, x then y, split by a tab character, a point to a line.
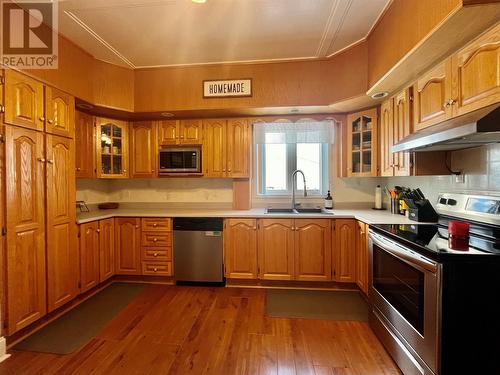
362	143
62	255
180	132
89	255
344	250
112	148
24	102
191	132
403	127
106	249
432	93
362	262
395	124
168	132
312	249
214	148
238	148
240	248
476	74
128	246
143	147
85	145
156	246
59	113
25	218
387	138
275	249
226	148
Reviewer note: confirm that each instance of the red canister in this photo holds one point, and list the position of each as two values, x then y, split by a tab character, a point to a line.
458	235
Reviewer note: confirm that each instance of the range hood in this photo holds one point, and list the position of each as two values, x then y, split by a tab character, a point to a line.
474	129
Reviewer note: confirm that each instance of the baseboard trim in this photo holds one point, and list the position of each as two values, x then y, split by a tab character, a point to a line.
3	349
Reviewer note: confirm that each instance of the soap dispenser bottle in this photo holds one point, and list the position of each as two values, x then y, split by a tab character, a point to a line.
328	201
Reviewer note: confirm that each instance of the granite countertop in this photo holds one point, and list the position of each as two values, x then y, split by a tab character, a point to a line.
368	216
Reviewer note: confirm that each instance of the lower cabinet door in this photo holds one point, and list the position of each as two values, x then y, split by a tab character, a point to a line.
275	244
89	255
128	246
106	249
344	250
240	248
313	250
25	240
62	256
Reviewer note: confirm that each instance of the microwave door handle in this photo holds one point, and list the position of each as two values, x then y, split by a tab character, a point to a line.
403	253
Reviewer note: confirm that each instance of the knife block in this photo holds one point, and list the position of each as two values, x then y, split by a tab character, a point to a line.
423	211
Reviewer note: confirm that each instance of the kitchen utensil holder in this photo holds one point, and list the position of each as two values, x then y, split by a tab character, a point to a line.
422	211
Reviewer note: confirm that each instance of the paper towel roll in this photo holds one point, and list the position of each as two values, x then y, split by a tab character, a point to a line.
378	197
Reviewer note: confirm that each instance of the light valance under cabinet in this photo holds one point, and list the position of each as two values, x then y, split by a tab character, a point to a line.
296	132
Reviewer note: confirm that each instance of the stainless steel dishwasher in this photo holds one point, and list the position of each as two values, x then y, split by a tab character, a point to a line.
198	250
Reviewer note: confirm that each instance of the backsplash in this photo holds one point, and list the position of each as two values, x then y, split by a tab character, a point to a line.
480	166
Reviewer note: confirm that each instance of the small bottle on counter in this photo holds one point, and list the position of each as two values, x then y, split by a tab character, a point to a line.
328	201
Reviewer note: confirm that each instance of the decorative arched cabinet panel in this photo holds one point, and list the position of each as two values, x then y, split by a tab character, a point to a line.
240	248
276	253
59	113
23	101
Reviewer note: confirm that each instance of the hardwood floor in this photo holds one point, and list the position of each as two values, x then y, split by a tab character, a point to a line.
223	331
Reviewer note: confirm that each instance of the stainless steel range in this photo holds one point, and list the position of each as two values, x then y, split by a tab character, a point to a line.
436	309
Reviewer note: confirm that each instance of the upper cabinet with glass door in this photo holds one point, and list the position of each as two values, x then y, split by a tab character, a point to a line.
112	148
362	143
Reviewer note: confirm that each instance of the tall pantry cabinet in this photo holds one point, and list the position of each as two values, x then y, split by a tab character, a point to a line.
41	252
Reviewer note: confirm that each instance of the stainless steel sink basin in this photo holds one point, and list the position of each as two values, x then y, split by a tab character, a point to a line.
280	211
302	210
312	210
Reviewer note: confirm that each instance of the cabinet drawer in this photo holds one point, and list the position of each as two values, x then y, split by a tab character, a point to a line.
156	239
157	268
156	224
157	253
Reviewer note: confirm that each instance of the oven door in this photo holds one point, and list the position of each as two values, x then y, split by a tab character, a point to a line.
180	160
405	294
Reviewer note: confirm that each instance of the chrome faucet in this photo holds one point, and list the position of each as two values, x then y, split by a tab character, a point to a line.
294	183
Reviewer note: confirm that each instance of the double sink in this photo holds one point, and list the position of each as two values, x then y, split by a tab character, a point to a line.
299	210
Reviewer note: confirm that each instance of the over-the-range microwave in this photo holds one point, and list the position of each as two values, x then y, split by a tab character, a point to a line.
175	159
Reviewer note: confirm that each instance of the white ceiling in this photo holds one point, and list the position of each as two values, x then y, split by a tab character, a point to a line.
147	33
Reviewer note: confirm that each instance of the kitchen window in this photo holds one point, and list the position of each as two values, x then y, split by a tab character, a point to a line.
282	147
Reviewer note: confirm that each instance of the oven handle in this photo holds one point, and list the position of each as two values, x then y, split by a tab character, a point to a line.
403	252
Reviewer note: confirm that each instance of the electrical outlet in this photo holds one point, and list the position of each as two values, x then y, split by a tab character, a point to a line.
459	178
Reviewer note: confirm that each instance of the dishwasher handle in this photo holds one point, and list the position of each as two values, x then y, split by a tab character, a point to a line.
198	224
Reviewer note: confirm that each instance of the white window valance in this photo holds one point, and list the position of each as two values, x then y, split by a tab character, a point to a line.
294	132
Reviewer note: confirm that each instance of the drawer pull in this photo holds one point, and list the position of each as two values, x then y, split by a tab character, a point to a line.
155	254
155	269
155	225
155	239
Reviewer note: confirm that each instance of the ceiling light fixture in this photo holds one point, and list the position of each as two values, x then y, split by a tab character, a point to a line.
167	114
379	95
84	106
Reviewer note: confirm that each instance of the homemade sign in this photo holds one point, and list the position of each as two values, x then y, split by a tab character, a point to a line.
225	88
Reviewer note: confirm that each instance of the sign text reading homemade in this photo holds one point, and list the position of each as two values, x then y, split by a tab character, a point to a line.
227	88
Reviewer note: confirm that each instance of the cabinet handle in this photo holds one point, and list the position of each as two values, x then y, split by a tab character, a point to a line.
50	161
136	227
155	239
254	228
124	171
155	254
229	170
223	169
98	230
78	169
41	118
155	269
453	101
152	170
41	160
50	121
155	225
181	136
